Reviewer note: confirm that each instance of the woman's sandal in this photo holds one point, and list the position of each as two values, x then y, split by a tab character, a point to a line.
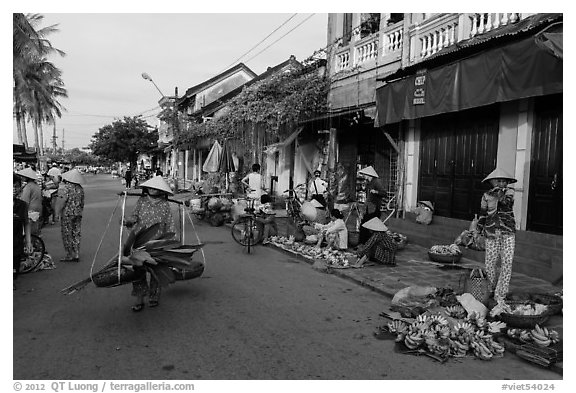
138	307
153	303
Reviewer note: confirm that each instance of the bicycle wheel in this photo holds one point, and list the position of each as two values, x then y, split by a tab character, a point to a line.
242	234
35	257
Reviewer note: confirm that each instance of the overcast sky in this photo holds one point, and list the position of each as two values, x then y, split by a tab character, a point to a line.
106	54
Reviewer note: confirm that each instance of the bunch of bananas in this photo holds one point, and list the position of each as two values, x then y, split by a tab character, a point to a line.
481	351
496	326
458	349
413	340
543	337
456	311
397	327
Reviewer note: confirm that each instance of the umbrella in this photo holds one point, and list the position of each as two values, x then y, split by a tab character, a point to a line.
226	164
213	160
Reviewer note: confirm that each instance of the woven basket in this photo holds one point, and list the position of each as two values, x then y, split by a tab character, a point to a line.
189	273
443	258
554	303
523	321
109	278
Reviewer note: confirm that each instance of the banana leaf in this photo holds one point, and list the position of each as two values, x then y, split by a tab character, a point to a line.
145	235
161	254
173	261
158	245
140	257
163	274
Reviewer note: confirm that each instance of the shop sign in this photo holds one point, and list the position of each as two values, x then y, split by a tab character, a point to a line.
419	88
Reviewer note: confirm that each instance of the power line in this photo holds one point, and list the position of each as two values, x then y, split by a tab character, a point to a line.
289	31
251	49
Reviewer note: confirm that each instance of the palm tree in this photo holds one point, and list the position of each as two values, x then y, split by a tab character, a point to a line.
41	87
37	83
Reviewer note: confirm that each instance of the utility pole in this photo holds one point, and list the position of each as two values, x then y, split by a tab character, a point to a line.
62	140
54	137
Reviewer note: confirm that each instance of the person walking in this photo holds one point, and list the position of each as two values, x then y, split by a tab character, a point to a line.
21	234
317	188
69	212
128	176
497	205
151	208
374	192
32	194
380	247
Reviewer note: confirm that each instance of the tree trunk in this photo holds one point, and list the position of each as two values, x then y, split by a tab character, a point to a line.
36	144
19	126
41	139
24	133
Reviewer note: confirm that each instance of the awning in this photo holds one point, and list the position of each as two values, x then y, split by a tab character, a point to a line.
517	70
273	148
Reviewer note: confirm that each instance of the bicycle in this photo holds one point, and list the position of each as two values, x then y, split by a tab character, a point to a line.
246	230
35	257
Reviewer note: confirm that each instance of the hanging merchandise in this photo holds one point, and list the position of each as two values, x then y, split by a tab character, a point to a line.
213	159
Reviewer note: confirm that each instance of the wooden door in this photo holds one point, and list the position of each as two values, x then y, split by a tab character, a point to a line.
545	195
457	151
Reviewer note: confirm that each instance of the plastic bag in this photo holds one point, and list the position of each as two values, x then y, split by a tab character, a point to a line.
472	305
414	296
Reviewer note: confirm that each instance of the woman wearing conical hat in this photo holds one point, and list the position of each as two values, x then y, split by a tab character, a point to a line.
151	208
70	207
380	247
32	194
375	191
500	227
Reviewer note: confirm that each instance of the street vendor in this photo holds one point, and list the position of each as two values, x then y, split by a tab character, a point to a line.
151	208
374	192
267	217
380	247
335	232
499	228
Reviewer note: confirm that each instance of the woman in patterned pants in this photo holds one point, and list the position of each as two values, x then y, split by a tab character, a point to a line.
151	208
500	227
71	199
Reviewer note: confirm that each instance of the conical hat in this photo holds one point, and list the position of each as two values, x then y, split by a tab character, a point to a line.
368	171
427	204
28	173
316	204
500	173
157	183
73	176
375	224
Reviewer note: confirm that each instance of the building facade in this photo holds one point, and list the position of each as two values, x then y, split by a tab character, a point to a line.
440	100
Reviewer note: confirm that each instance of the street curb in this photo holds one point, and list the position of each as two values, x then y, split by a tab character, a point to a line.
337	272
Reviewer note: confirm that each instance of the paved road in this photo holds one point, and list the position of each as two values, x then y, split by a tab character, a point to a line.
261	316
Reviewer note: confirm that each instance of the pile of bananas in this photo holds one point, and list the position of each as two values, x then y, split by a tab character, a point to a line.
437	335
451	249
540	336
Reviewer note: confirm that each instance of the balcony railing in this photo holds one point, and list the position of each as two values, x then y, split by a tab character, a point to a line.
426	38
366	50
483	23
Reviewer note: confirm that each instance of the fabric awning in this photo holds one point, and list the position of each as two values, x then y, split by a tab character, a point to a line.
273	148
517	70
